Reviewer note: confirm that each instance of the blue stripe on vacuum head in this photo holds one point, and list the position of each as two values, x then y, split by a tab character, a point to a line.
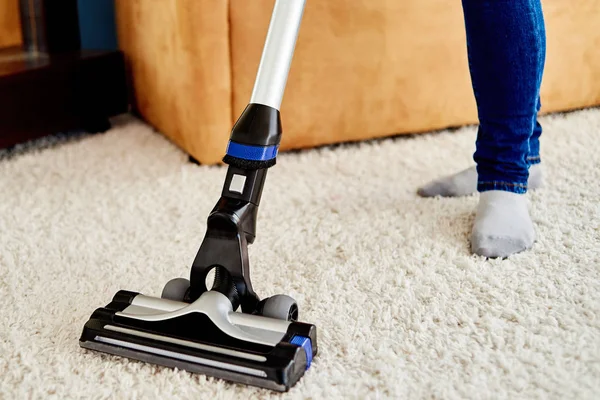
306	344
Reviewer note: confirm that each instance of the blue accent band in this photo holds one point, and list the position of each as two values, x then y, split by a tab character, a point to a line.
254	153
306	344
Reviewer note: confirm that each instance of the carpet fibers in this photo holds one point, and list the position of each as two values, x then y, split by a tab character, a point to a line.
403	308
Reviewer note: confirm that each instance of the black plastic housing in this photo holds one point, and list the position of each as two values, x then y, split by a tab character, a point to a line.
285	363
259	125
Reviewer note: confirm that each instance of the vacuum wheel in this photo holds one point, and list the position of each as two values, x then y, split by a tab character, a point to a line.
279	306
176	289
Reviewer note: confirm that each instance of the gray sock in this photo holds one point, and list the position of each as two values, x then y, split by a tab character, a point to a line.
502	225
464	183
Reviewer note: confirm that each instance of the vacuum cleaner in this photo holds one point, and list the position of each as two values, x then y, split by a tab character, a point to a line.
227	332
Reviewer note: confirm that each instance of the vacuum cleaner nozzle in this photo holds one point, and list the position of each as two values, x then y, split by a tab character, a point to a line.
206	337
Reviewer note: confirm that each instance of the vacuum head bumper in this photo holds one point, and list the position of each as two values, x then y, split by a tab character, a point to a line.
205	337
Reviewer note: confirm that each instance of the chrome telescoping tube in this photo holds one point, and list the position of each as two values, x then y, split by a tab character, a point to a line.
277	53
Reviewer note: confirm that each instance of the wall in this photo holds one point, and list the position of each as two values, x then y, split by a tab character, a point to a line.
97	24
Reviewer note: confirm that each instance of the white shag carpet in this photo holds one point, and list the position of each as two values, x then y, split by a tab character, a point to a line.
403	309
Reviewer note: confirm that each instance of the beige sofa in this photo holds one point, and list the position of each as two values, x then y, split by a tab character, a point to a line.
362	69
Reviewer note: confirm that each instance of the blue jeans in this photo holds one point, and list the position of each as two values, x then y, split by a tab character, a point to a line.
506	46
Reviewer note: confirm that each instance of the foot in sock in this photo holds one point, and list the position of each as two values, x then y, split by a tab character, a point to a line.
464	183
502	225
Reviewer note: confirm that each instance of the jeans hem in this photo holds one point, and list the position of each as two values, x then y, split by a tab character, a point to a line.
534	160
519	188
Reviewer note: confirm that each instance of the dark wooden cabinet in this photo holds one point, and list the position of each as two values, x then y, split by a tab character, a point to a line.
50	84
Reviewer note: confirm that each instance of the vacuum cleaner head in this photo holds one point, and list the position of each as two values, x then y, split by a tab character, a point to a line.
206	337
200	330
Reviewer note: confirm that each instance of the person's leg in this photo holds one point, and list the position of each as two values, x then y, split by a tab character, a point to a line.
506	49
